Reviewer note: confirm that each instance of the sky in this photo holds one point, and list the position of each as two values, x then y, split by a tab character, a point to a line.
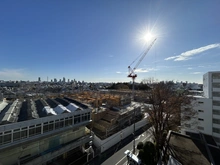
96	40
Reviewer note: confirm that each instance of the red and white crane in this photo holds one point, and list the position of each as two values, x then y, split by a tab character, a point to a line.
132	71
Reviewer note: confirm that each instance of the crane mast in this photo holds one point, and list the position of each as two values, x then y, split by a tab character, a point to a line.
132	71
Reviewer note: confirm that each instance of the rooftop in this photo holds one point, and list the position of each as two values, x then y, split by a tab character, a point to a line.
193	148
22	110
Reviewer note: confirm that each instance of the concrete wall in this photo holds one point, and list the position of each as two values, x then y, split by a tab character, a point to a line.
205	115
105	144
202	121
207	85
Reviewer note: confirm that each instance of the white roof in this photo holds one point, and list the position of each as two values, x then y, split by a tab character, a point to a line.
49	110
61	109
3	105
72	107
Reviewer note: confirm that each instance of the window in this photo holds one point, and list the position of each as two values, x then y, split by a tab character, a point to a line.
66	122
84	117
215	75
217	103
200	102
23	134
45	127
70	121
200	110
216	85
31	132
216	112
216	121
216	130
51	125
57	124
16	136
38	130
61	123
7	138
88	116
76	119
200	119
1	139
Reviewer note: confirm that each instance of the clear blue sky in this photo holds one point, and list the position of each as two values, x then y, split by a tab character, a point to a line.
96	40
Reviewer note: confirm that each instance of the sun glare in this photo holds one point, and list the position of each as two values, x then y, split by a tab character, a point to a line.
148	37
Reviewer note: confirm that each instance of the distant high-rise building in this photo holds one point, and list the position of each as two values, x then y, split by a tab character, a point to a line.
55	80
39	79
68	80
64	80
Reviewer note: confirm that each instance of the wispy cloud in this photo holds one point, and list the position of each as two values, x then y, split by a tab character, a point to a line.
142	70
118	72
188	54
12	73
189	68
196	73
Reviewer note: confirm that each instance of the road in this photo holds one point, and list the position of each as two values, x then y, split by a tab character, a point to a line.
119	158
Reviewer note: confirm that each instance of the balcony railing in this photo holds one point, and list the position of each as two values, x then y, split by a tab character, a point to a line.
216	80
216	107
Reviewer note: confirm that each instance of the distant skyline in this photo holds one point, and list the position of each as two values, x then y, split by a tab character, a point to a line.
96	40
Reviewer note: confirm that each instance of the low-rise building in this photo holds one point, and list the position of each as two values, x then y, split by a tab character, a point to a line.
27	138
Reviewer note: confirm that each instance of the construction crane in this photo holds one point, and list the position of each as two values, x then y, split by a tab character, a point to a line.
132	71
133	75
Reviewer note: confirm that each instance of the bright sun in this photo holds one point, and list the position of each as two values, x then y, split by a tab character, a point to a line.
148	37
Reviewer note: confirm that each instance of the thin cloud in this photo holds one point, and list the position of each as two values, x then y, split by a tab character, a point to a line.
12	73
189	68
118	72
188	54
142	70
196	73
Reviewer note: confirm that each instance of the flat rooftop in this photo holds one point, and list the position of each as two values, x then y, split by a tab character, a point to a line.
193	148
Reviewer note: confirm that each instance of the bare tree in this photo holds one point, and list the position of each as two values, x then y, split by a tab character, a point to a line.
149	80
165	112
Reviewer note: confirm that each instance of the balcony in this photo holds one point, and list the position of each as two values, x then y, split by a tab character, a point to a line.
216	89
216	125
216	98
216	116
216	107
216	80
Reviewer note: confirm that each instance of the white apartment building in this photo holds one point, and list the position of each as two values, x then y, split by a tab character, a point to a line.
207	106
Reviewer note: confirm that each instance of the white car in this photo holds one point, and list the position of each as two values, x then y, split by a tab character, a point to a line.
132	158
